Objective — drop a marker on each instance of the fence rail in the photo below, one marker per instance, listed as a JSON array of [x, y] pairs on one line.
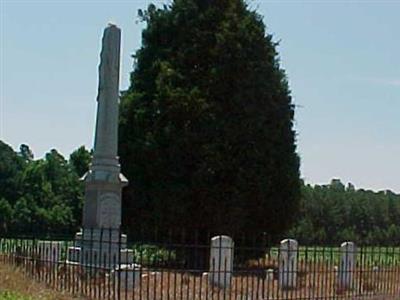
[[102, 264]]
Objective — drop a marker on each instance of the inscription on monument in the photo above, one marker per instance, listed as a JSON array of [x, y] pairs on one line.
[[109, 210]]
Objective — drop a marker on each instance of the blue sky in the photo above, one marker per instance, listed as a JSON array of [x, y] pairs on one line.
[[342, 59]]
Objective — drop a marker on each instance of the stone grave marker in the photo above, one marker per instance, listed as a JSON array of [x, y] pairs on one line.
[[221, 261]]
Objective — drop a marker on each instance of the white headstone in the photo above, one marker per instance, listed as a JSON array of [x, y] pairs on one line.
[[269, 274], [126, 276], [221, 261], [288, 264], [49, 251], [347, 264]]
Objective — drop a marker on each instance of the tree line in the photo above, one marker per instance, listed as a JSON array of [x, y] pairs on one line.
[[42, 195], [46, 196], [334, 213]]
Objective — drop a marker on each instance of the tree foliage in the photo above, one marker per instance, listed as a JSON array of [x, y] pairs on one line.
[[47, 196], [334, 213], [206, 127], [43, 195], [80, 160], [11, 166]]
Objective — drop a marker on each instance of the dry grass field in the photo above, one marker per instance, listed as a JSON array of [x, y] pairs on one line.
[[169, 284], [15, 285], [315, 281]]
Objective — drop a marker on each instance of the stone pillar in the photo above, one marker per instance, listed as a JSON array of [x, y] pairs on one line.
[[288, 264], [103, 181], [100, 243], [106, 136], [221, 261], [347, 265]]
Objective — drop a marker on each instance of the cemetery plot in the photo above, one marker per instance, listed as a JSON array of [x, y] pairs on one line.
[[219, 270]]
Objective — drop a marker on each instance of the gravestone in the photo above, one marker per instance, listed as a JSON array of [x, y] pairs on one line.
[[221, 261], [100, 243], [288, 264], [126, 276], [347, 265], [49, 251]]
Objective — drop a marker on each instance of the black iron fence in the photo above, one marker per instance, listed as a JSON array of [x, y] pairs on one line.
[[104, 264]]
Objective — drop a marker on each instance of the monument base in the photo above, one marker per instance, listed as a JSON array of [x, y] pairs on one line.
[[126, 276], [100, 248]]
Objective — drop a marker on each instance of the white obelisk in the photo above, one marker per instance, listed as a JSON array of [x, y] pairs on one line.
[[104, 182], [100, 242]]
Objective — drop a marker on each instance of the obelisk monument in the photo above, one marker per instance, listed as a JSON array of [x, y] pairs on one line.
[[103, 182], [101, 235]]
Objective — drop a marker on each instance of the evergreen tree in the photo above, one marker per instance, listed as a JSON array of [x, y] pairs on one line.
[[206, 127]]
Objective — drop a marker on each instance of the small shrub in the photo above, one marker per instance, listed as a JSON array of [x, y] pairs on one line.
[[153, 255]]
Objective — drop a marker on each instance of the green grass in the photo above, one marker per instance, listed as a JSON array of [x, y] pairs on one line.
[[6, 295], [368, 256]]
